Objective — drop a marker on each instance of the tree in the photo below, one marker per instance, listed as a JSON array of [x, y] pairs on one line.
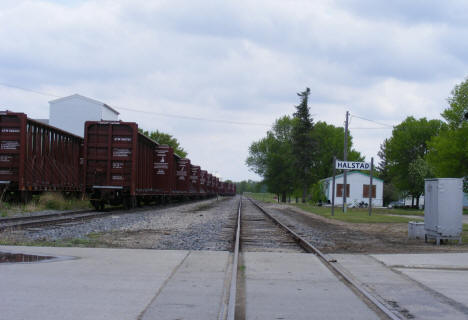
[[303, 146], [271, 157], [390, 192], [165, 138], [330, 142], [409, 141], [448, 152], [418, 170], [458, 101]]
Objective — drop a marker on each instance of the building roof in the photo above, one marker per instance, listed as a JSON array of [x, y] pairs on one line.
[[350, 173], [85, 98]]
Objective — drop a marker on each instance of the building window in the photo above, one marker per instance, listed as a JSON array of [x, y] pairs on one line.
[[339, 190], [365, 191]]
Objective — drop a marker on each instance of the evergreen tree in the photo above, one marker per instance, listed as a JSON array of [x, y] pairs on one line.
[[303, 145]]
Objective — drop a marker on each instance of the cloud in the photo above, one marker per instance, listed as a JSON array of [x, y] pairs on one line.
[[236, 60]]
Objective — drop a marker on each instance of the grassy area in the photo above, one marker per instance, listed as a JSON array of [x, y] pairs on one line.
[[465, 233], [46, 201], [354, 215], [91, 241]]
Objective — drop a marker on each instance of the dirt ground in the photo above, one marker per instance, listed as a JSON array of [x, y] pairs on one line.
[[334, 236]]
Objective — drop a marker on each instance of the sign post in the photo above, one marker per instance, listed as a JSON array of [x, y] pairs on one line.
[[333, 186], [370, 187], [352, 165]]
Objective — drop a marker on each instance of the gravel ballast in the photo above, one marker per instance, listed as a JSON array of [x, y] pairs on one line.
[[200, 225]]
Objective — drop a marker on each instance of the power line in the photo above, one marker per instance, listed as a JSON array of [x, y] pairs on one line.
[[196, 118], [29, 90], [150, 112], [379, 123], [369, 128]]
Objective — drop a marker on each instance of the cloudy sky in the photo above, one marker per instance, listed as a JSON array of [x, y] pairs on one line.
[[216, 74]]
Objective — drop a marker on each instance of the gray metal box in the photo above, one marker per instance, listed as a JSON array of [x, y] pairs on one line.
[[443, 208]]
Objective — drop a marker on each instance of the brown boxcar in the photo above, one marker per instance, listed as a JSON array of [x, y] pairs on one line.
[[164, 177], [36, 157], [209, 182], [182, 177], [120, 164], [195, 180], [203, 188]]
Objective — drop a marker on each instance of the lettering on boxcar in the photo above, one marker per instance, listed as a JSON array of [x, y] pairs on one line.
[[10, 130], [117, 165], [9, 145], [119, 152], [123, 139]]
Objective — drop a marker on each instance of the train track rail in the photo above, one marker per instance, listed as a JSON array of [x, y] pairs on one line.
[[50, 219], [287, 240], [68, 217]]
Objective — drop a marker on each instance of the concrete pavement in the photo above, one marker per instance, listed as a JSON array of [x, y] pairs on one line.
[[421, 286], [89, 283]]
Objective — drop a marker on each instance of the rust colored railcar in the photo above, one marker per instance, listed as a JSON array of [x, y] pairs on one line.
[[223, 188], [123, 166], [195, 180], [164, 175], [203, 188], [216, 185], [183, 177], [209, 184], [36, 157]]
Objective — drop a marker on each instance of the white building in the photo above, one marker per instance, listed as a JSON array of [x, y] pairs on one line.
[[70, 113], [358, 189]]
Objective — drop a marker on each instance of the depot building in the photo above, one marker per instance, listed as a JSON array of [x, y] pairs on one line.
[[357, 189]]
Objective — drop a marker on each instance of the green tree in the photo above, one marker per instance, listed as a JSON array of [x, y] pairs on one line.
[[271, 158], [390, 192], [303, 146], [448, 152], [165, 138], [418, 170], [409, 141], [330, 142], [458, 101]]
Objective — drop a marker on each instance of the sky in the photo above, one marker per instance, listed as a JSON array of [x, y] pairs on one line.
[[216, 74]]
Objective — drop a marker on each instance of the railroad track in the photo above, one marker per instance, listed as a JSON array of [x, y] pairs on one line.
[[256, 229], [67, 217], [50, 219]]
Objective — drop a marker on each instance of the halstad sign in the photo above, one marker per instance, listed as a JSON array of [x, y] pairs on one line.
[[352, 165]]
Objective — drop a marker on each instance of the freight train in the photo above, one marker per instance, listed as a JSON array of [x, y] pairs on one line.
[[114, 164]]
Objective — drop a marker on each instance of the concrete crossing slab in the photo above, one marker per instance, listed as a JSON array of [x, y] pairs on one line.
[[109, 283], [297, 286], [410, 292]]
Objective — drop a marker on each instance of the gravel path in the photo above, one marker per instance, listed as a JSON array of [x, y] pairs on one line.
[[202, 225]]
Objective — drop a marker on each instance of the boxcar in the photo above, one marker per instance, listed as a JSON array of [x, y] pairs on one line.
[[203, 189], [195, 180], [123, 166], [164, 174], [36, 157]]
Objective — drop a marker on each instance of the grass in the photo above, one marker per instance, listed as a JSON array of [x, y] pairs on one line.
[[354, 215], [46, 201], [465, 211], [465, 233], [91, 241]]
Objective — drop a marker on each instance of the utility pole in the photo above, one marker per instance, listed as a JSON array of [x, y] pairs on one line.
[[345, 158]]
